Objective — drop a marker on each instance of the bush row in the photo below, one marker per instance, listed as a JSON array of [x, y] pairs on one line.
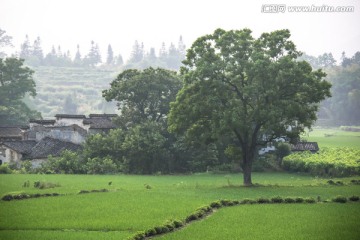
[[21, 196], [206, 210], [93, 191]]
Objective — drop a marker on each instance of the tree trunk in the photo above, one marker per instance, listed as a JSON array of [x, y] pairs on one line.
[[247, 172], [248, 157]]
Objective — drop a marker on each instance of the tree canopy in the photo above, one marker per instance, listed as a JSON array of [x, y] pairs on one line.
[[15, 82], [252, 90], [143, 94]]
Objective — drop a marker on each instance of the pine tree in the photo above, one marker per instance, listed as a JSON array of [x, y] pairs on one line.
[[137, 53], [110, 56], [181, 48], [5, 41], [93, 58], [37, 50], [152, 55], [59, 52], [77, 59], [25, 48], [119, 60], [163, 52]]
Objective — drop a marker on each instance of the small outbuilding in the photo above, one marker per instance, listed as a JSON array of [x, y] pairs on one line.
[[305, 146]]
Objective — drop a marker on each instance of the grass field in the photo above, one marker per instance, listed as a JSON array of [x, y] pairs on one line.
[[130, 207], [332, 137], [300, 221], [138, 203]]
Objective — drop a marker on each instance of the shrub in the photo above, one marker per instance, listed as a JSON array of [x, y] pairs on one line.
[[45, 185], [150, 232], [226, 202], [354, 181], [289, 200], [83, 191], [101, 166], [7, 197], [216, 204], [339, 199], [331, 182], [310, 200], [178, 223], [4, 169], [277, 199], [160, 229], [247, 201], [354, 198], [299, 200], [138, 236], [263, 200]]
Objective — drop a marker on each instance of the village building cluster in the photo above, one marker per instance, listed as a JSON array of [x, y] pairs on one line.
[[42, 138]]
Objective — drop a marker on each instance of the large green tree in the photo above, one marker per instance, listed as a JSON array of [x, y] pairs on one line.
[[143, 95], [15, 82], [251, 90]]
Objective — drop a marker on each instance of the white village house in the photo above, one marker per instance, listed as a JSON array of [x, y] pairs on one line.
[[50, 137]]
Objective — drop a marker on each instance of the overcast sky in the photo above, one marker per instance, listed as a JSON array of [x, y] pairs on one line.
[[121, 22]]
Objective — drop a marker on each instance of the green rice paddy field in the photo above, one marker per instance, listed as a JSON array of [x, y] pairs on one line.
[[138, 203]]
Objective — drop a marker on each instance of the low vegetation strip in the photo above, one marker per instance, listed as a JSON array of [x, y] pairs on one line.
[[204, 211], [22, 196], [334, 162]]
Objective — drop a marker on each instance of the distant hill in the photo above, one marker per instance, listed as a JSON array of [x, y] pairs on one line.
[[71, 90]]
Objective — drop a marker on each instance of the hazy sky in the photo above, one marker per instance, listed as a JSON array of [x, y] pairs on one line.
[[121, 22]]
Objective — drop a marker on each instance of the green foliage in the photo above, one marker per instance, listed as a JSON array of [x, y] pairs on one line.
[[16, 81], [327, 162], [263, 200], [339, 199], [69, 162], [277, 199], [143, 95], [354, 198], [145, 150], [291, 200], [5, 169], [45, 185], [310, 200], [342, 108], [282, 150], [101, 166], [245, 89]]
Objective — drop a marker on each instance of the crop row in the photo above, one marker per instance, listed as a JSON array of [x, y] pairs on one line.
[[334, 162]]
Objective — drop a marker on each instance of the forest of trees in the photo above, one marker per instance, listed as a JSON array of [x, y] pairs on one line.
[[140, 58], [343, 107]]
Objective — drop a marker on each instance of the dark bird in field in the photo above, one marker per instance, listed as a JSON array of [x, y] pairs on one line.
[[110, 183]]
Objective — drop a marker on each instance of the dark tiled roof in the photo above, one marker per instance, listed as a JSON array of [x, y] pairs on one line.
[[10, 132], [99, 123], [23, 147], [305, 146], [102, 115], [43, 121], [69, 116], [50, 146]]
